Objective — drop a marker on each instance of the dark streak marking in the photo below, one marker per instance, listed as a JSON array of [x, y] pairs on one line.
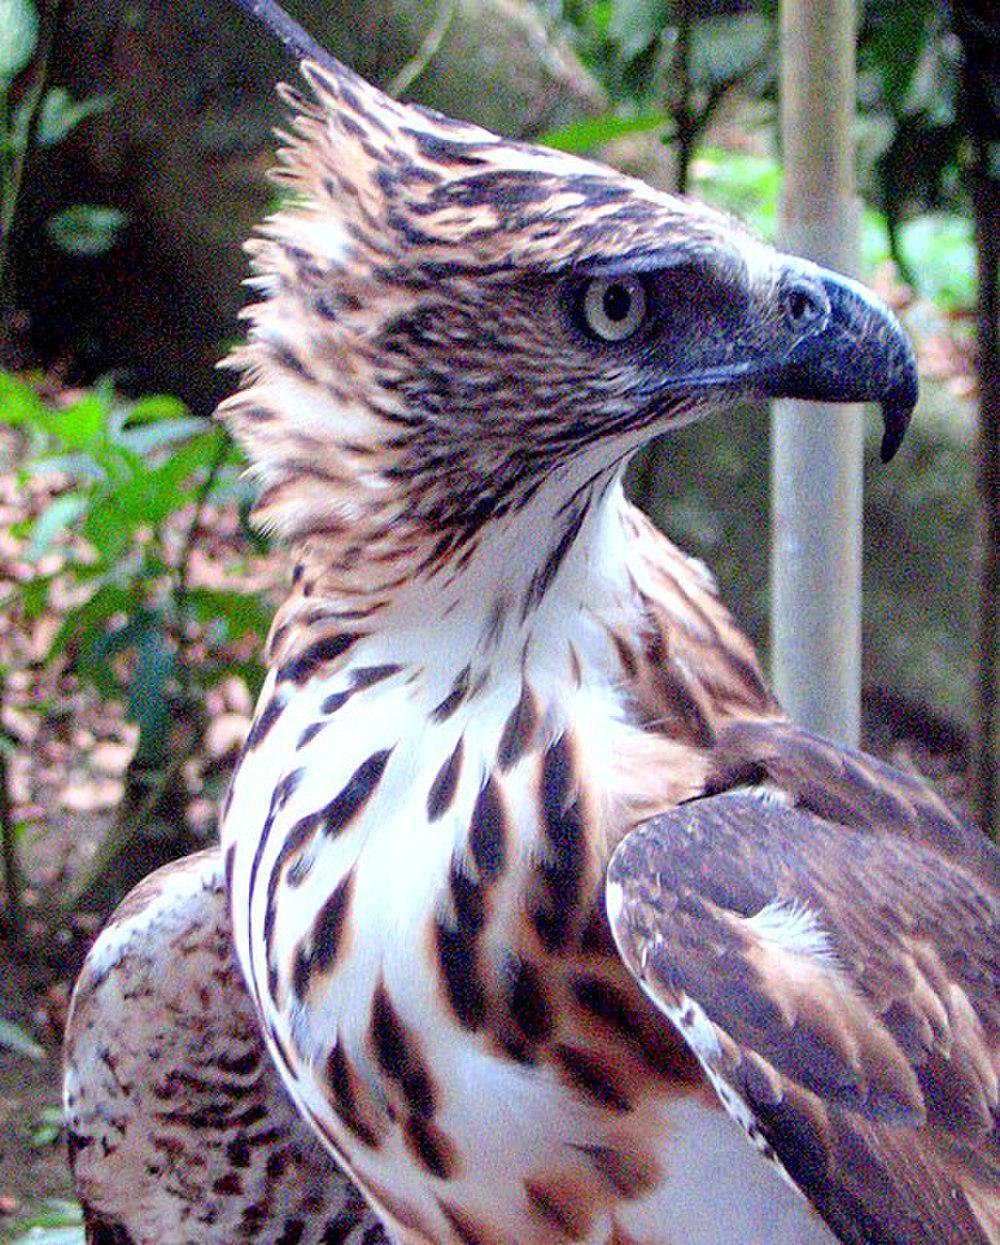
[[459, 690], [398, 1055], [357, 792], [263, 723], [551, 1208], [488, 832], [519, 730], [325, 937], [341, 1079], [431, 1146], [457, 957], [456, 947], [586, 1074], [541, 581], [230, 862], [363, 677], [464, 1226], [626, 658], [300, 669], [279, 796], [561, 874], [444, 786], [470, 906], [336, 700], [526, 998], [629, 1175], [327, 821], [495, 623], [367, 676], [309, 734], [603, 1000]]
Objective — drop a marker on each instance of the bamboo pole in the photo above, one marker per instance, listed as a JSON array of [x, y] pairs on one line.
[[816, 449]]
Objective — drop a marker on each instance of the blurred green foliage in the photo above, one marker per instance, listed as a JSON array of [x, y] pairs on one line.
[[54, 1222], [32, 119], [910, 136], [938, 247], [138, 476]]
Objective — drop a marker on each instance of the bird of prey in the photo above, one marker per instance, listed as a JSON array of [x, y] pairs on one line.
[[554, 927]]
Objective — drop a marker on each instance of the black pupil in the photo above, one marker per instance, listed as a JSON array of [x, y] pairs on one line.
[[617, 302], [798, 305]]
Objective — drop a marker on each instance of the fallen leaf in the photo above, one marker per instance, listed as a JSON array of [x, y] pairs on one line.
[[111, 757], [226, 734], [93, 796]]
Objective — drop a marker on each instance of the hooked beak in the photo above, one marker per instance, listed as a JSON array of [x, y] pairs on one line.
[[853, 350]]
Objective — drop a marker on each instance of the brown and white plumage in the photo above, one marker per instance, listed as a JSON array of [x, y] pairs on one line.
[[491, 670], [828, 942], [179, 1129]]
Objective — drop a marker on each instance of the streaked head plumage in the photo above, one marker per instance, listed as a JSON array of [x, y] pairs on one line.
[[449, 319]]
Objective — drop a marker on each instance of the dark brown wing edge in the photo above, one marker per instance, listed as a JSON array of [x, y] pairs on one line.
[[858, 1018]]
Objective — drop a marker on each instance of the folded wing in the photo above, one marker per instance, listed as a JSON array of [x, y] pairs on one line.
[[827, 940]]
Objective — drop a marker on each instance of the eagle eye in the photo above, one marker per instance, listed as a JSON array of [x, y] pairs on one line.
[[614, 307]]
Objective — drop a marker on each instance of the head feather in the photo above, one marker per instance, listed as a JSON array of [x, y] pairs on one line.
[[407, 374]]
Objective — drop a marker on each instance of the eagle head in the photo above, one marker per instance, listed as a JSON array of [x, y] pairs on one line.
[[450, 323]]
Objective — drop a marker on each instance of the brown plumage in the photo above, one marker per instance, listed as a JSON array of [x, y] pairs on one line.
[[491, 670], [858, 1019], [179, 1130]]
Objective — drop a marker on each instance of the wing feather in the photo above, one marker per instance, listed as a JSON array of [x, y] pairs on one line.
[[179, 1126], [837, 976]]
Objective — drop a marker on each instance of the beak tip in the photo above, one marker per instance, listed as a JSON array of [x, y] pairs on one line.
[[891, 441], [898, 405]]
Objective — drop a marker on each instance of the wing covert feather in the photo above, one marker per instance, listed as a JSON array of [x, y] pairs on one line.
[[841, 982]]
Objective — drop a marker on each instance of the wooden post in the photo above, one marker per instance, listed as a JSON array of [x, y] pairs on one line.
[[817, 449]]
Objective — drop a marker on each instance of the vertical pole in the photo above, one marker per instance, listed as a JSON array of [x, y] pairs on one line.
[[817, 448]]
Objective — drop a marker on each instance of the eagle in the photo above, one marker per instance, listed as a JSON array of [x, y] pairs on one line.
[[534, 919]]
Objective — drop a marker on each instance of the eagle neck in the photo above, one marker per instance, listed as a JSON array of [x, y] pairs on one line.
[[538, 593]]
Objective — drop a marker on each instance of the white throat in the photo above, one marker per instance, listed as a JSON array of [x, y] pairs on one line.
[[542, 584]]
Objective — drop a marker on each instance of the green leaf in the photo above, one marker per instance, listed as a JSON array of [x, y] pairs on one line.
[[636, 24], [77, 426], [14, 1038], [19, 403], [85, 229], [55, 1222], [726, 48], [80, 623], [896, 46], [156, 406], [34, 595], [107, 529], [584, 136], [60, 514], [746, 185], [243, 613], [61, 114], [48, 1128], [941, 251], [18, 37], [148, 438]]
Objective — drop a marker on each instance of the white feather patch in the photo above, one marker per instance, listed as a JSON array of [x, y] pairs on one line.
[[793, 927]]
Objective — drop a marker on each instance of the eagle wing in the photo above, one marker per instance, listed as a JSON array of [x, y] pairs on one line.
[[179, 1127], [827, 942]]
